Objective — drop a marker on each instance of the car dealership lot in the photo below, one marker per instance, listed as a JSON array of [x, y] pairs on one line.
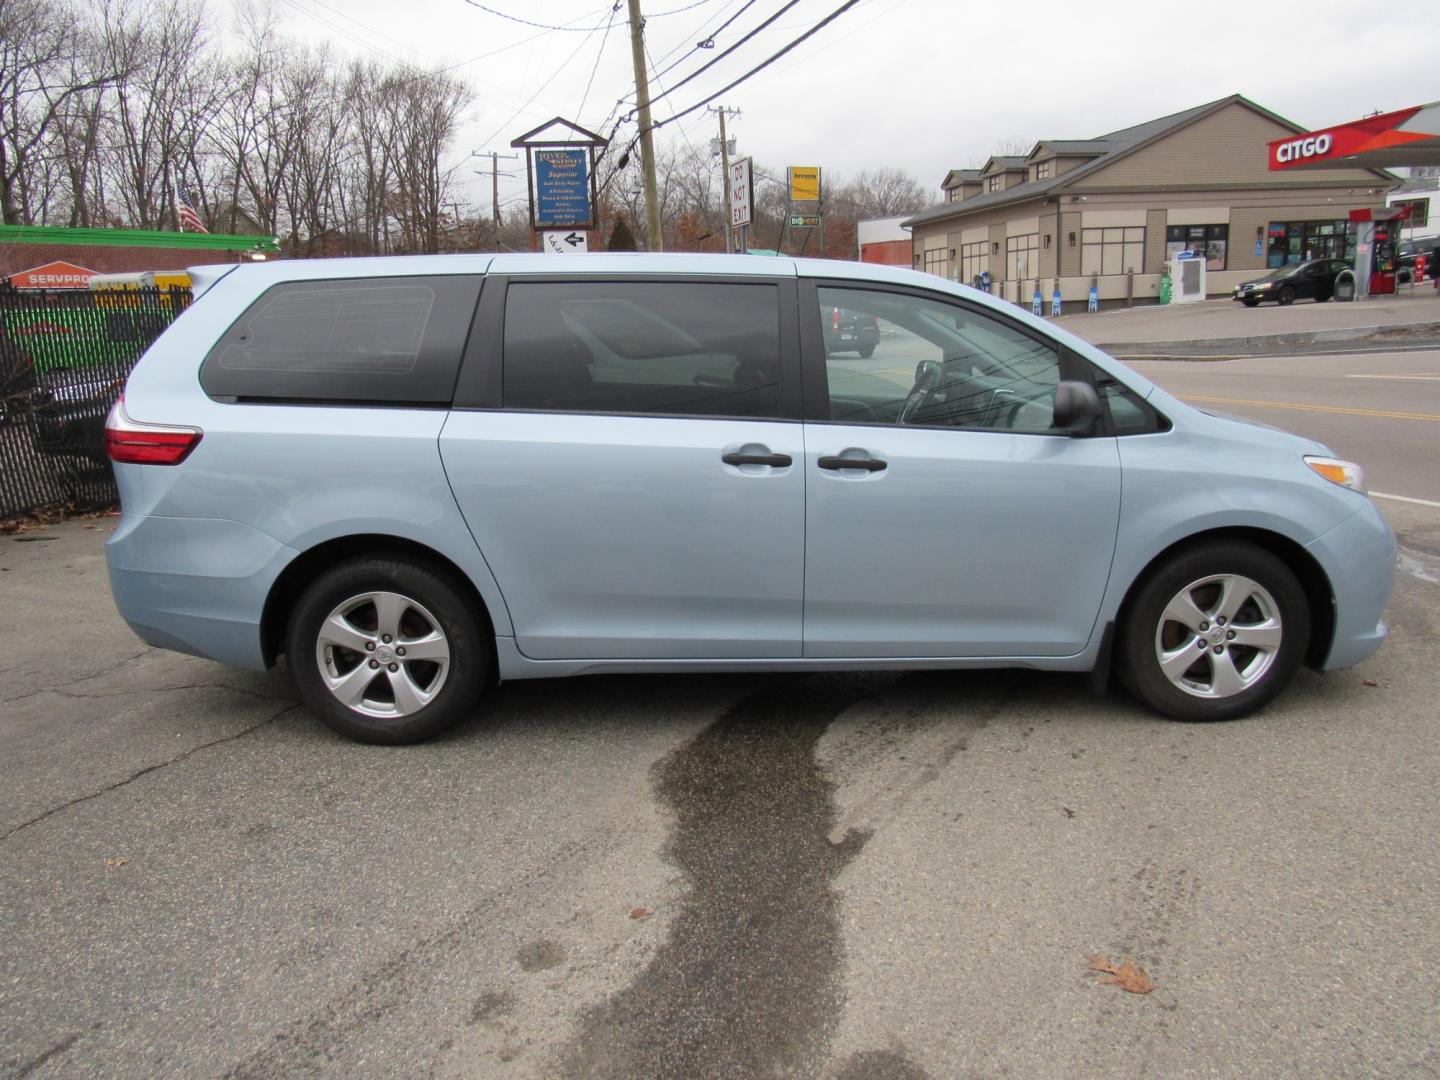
[[849, 875]]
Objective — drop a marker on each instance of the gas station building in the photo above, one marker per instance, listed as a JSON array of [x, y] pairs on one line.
[[1113, 210], [1406, 137]]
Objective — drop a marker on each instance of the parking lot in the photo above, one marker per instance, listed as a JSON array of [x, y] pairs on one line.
[[880, 875]]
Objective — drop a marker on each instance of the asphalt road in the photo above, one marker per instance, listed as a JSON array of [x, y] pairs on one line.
[[1381, 409], [889, 876]]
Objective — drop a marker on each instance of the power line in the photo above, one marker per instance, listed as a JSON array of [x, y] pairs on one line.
[[730, 86], [707, 42], [576, 29], [541, 88], [715, 60], [591, 81], [763, 64]]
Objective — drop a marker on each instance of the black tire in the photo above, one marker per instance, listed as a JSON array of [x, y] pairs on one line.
[[433, 600], [866, 352], [1250, 303], [1285, 296], [1145, 630]]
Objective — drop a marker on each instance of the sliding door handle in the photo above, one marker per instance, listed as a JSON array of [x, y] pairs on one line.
[[868, 464]]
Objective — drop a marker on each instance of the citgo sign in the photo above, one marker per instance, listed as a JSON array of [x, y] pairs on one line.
[[1309, 147]]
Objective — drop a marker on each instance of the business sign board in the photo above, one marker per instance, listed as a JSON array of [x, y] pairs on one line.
[[804, 183], [562, 189], [53, 275], [574, 242], [804, 221], [742, 193]]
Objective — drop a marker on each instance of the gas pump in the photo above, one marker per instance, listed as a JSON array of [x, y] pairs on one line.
[[1377, 242], [1385, 259]]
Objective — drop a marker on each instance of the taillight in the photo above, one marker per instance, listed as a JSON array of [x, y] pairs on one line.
[[146, 444], [834, 318]]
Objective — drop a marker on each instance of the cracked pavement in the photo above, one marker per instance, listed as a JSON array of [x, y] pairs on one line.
[[850, 876]]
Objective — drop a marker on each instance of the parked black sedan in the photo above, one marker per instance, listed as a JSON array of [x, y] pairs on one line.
[[1313, 280]]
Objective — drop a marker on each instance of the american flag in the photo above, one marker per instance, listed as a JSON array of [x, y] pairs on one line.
[[185, 211]]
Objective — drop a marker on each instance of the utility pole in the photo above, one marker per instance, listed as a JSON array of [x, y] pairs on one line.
[[653, 240], [725, 165], [495, 187]]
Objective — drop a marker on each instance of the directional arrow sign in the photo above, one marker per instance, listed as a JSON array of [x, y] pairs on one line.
[[565, 243]]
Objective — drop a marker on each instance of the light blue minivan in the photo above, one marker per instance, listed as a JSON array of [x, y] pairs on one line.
[[416, 476]]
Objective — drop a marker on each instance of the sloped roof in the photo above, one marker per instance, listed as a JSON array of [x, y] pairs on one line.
[[1004, 163], [960, 176], [1115, 145], [1072, 146]]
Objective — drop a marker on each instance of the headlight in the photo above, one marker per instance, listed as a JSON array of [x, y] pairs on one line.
[[1263, 285], [1345, 473]]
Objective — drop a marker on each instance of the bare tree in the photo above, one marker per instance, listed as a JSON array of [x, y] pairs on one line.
[[44, 63]]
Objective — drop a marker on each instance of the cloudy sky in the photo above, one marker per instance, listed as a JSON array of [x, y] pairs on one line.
[[921, 85]]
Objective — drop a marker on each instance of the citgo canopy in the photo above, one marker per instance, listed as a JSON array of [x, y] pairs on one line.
[[1405, 137]]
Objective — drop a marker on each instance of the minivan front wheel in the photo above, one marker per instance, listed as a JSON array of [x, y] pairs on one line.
[[1215, 633], [387, 650]]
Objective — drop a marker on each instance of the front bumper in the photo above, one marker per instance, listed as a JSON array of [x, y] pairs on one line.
[[1358, 556], [195, 585]]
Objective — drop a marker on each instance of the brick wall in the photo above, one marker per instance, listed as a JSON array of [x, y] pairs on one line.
[[108, 260]]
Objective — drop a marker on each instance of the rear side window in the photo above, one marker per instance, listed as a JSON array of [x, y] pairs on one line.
[[677, 349], [368, 341]]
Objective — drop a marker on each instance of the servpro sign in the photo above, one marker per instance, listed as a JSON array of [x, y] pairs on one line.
[[53, 275]]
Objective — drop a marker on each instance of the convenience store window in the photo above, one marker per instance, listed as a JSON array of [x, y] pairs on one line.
[[1291, 242], [1210, 241]]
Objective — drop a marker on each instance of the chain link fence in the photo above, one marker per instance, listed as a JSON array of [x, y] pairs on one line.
[[64, 358]]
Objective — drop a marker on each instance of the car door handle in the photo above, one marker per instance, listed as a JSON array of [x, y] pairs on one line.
[[868, 464], [779, 461]]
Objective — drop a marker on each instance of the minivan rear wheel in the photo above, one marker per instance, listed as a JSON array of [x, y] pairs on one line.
[[1214, 633], [388, 650]]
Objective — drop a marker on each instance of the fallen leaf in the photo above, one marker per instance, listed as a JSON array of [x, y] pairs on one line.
[[1127, 976], [115, 863], [89, 526], [639, 913], [1368, 682]]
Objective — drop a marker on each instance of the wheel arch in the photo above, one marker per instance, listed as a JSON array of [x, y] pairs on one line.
[[287, 587], [1318, 591]]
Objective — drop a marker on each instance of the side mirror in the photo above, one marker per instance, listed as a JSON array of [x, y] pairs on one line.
[[1077, 407]]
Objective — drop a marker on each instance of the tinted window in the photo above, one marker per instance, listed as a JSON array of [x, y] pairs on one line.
[[375, 340], [937, 365], [689, 349]]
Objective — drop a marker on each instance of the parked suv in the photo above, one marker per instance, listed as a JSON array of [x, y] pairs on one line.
[[416, 476]]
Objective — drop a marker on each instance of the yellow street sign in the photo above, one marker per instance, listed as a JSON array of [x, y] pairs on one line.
[[804, 183]]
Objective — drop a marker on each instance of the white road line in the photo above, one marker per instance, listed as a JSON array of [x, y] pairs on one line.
[[1404, 499], [1411, 378]]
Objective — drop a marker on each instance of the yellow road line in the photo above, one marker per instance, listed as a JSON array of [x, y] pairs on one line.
[[1342, 409]]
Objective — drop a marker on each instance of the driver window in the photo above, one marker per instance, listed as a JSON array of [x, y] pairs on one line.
[[892, 358]]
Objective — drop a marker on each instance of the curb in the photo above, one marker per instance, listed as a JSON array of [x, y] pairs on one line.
[[1398, 334]]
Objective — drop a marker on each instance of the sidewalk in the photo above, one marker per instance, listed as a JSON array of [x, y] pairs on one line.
[[1220, 324]]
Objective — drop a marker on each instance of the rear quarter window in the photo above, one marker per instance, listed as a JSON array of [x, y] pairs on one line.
[[365, 341]]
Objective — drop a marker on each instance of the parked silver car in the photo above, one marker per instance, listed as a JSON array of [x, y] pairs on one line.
[[416, 476]]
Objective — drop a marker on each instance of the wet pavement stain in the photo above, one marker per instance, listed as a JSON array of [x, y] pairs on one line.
[[749, 981]]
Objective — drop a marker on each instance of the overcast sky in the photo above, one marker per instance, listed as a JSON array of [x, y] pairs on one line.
[[920, 85]]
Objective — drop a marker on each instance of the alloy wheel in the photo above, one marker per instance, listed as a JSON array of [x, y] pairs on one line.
[[1218, 636], [382, 654]]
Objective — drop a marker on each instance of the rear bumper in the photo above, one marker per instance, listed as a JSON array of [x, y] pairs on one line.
[[195, 585], [1359, 558]]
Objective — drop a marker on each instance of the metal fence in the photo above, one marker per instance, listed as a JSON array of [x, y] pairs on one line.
[[64, 358]]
